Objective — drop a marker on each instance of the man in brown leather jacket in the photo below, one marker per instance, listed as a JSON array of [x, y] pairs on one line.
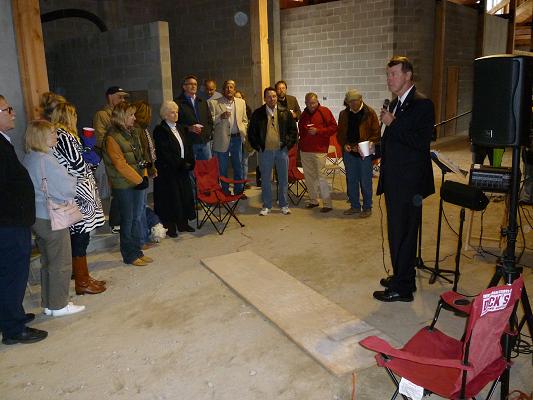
[[357, 123]]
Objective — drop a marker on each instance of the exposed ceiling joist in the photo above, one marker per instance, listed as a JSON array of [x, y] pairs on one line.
[[524, 12]]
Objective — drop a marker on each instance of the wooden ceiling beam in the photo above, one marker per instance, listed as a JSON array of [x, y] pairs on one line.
[[524, 12]]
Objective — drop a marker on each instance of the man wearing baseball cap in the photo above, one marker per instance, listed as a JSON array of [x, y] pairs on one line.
[[101, 122], [102, 118]]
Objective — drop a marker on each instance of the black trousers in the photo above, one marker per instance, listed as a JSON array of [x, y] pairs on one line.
[[15, 250], [79, 243], [403, 220]]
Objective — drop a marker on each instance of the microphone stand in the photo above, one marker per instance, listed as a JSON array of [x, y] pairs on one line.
[[436, 272]]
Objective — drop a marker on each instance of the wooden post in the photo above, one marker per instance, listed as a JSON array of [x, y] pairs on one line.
[[480, 34], [438, 59], [260, 50], [30, 47], [511, 27]]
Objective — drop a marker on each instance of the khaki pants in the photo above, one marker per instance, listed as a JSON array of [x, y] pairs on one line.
[[315, 179], [56, 263]]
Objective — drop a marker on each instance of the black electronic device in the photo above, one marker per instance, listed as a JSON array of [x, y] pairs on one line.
[[463, 195], [491, 179], [501, 107]]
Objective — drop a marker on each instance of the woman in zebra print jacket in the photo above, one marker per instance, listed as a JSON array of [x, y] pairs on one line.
[[68, 152]]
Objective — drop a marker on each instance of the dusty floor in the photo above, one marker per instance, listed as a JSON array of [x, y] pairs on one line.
[[174, 331]]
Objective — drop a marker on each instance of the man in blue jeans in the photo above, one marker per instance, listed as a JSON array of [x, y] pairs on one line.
[[231, 123], [272, 132]]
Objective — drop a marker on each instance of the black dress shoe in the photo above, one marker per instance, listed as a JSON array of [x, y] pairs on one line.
[[28, 335], [172, 234], [385, 282], [389, 296], [29, 317], [186, 228]]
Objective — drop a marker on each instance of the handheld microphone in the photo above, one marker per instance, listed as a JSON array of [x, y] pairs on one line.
[[386, 103]]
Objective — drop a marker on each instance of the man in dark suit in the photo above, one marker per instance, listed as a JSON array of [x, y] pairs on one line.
[[272, 132], [406, 176], [195, 118], [17, 215]]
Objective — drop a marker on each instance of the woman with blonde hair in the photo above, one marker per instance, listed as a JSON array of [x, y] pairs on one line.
[[54, 246], [68, 152], [126, 169]]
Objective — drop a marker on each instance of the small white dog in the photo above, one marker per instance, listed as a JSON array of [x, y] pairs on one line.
[[158, 232]]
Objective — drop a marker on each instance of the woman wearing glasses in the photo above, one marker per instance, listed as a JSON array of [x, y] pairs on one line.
[[126, 169]]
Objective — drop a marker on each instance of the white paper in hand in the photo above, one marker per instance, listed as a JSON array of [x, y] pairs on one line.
[[411, 390]]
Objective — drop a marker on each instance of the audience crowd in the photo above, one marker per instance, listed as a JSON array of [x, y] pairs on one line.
[[123, 158]]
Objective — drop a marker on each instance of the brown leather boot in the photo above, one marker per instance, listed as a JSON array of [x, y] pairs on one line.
[[91, 279], [82, 278]]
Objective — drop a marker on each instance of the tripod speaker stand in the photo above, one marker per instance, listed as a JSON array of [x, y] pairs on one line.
[[508, 270]]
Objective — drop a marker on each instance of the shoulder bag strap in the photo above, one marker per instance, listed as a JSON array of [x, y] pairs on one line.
[[44, 185]]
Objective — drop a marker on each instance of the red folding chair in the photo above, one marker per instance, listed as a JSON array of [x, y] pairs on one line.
[[297, 187], [450, 368], [218, 207]]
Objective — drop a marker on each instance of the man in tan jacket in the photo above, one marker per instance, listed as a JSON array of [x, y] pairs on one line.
[[231, 123], [102, 118], [101, 123]]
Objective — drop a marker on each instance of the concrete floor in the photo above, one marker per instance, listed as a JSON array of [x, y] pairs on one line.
[[174, 331]]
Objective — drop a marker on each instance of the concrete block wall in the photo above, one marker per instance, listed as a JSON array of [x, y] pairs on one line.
[[414, 36], [460, 50], [10, 83], [136, 58], [206, 42], [115, 14], [332, 47]]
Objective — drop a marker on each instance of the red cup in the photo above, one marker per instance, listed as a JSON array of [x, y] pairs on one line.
[[88, 132]]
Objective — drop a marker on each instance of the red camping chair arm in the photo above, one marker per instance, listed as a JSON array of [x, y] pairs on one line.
[[379, 345], [228, 180]]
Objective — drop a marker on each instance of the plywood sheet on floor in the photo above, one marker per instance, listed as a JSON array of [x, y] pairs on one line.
[[323, 329]]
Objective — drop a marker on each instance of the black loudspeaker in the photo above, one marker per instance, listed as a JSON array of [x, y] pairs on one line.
[[463, 195], [501, 109]]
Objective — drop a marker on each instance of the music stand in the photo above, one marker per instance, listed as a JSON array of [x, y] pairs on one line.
[[445, 166]]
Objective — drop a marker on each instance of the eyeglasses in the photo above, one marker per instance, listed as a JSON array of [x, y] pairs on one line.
[[8, 109]]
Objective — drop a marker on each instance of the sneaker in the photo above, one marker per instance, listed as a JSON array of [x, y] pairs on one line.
[[69, 309], [264, 211], [325, 209], [311, 205], [365, 213], [351, 211], [285, 210], [115, 229]]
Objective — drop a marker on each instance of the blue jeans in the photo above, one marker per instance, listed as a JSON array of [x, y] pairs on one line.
[[202, 151], [235, 150], [245, 156], [358, 176], [267, 160], [145, 232], [131, 204]]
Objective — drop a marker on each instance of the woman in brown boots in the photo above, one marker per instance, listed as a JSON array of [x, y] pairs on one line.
[[68, 152]]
